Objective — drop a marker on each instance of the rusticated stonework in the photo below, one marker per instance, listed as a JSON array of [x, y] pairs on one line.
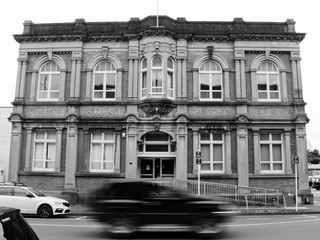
[[45, 112], [103, 111], [214, 112], [270, 112]]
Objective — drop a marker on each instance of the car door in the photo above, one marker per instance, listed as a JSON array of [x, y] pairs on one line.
[[6, 196], [24, 200]]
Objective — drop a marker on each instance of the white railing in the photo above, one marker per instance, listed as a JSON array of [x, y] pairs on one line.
[[248, 196]]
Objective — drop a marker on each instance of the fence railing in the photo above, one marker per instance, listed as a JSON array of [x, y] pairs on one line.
[[246, 196]]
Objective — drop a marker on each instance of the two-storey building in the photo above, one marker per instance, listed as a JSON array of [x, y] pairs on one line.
[[138, 99]]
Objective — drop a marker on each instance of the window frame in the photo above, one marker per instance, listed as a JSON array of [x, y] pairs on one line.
[[45, 141], [270, 143], [102, 161], [267, 74], [105, 73], [50, 75], [211, 142], [210, 73]]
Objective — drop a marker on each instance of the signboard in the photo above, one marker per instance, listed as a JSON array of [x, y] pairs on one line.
[[198, 160], [296, 160]]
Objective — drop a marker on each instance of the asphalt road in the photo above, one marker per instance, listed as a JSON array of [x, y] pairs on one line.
[[268, 227]]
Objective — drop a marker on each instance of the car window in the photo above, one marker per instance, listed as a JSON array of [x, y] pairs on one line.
[[6, 191], [20, 192], [36, 192]]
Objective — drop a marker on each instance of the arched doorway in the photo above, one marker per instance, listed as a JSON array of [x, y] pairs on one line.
[[156, 155]]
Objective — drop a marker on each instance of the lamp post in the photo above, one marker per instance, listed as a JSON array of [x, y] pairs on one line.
[[296, 162], [198, 161]]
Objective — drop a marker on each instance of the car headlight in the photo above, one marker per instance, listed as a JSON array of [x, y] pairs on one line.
[[57, 203]]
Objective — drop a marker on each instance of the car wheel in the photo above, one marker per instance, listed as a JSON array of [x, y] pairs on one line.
[[207, 227], [122, 226], [45, 211]]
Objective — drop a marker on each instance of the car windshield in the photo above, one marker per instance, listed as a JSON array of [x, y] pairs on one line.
[[37, 192]]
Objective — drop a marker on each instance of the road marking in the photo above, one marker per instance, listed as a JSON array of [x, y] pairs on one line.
[[254, 219], [305, 216], [65, 225], [272, 223], [80, 218]]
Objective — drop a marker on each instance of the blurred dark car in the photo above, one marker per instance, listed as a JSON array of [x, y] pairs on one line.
[[14, 226], [134, 206]]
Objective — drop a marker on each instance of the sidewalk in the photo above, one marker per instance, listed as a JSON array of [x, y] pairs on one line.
[[84, 209]]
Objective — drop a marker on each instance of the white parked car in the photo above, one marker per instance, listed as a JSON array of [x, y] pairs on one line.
[[32, 201]]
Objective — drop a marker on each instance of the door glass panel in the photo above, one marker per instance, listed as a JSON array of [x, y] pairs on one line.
[[146, 168], [167, 168]]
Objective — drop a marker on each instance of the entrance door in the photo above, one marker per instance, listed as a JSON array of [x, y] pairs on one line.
[[157, 168]]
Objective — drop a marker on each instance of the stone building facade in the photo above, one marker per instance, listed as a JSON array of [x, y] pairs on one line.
[[137, 99]]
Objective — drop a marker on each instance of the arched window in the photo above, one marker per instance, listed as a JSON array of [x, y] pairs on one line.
[[210, 80], [144, 78], [156, 76], [268, 86], [104, 81], [170, 78], [49, 82]]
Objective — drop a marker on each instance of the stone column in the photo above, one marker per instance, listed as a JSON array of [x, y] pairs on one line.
[[181, 154], [196, 146], [135, 79], [256, 149], [21, 76], [58, 150], [71, 155], [195, 73], [130, 80], [301, 149], [228, 169], [117, 150], [296, 75], [239, 57], [287, 150], [242, 155], [89, 87], [179, 80], [15, 150], [131, 170], [184, 79], [28, 160]]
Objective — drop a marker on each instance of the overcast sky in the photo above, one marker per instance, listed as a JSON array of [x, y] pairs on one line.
[[14, 12]]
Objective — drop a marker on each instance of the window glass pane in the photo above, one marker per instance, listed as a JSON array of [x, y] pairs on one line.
[[205, 66], [51, 151], [38, 164], [110, 66], [38, 152], [50, 164], [216, 82], [95, 165], [204, 95], [276, 149], [273, 83], [108, 152], [157, 78], [217, 153], [264, 137], [96, 151], [265, 167], [109, 136], [157, 62], [274, 95], [170, 63], [205, 152], [156, 148], [262, 95], [96, 136], [217, 137], [204, 82], [277, 166], [55, 81], [54, 95], [44, 82], [98, 94], [144, 80], [170, 80], [205, 136], [205, 167], [108, 165], [157, 137], [265, 153], [40, 135], [98, 82], [217, 167], [262, 82], [215, 66], [144, 63], [51, 136], [111, 81], [216, 95], [276, 137]]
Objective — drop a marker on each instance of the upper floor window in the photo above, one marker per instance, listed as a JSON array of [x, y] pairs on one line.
[[210, 80], [49, 82], [102, 154], [44, 155], [268, 82], [159, 142], [104, 81], [271, 149], [212, 153], [158, 78]]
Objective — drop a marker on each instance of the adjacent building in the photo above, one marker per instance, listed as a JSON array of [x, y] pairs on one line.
[[5, 134], [96, 101]]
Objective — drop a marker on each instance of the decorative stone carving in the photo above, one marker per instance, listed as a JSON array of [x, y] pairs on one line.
[[270, 112], [157, 108], [102, 111], [45, 112], [212, 112]]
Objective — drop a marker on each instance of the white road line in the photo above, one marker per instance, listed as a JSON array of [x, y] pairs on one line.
[[80, 218], [272, 223]]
